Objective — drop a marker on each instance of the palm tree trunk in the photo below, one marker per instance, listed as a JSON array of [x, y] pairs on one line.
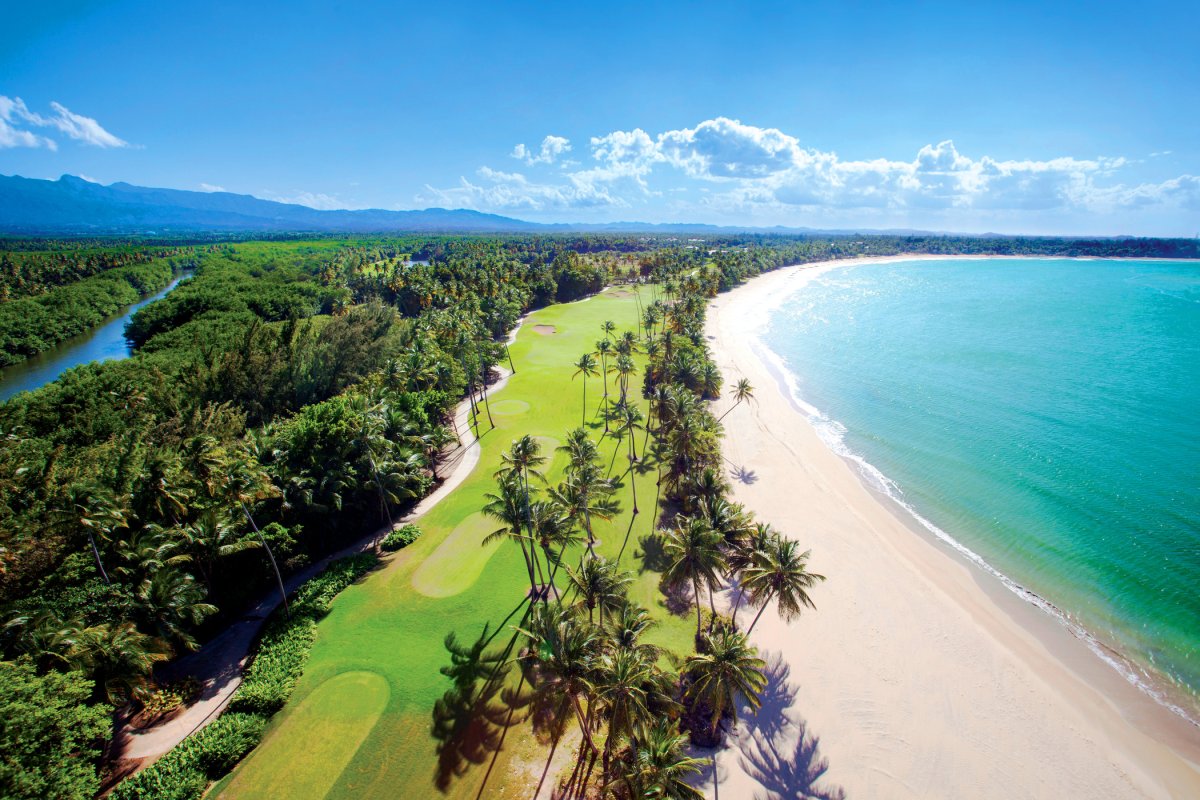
[[514, 372], [287, 612], [583, 723], [96, 553], [731, 408], [766, 600], [696, 592], [738, 604], [487, 406], [712, 607], [584, 416]]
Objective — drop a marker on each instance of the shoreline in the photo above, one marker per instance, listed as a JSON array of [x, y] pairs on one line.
[[955, 666]]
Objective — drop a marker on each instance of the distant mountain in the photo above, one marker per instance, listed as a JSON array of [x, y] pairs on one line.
[[72, 204]]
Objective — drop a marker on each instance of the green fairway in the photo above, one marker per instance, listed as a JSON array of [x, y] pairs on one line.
[[331, 740]]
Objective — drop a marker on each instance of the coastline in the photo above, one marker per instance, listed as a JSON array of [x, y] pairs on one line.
[[920, 674]]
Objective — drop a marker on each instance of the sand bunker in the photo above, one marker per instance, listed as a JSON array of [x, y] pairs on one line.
[[545, 330]]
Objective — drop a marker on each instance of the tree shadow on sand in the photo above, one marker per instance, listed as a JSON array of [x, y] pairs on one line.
[[775, 747], [472, 718]]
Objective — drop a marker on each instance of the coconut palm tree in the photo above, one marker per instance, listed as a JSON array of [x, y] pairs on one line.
[[507, 506], [563, 651], [551, 528], [585, 366], [212, 536], [659, 767], [600, 585], [98, 512], [603, 349], [743, 391], [626, 627], [695, 553], [242, 482], [174, 602], [624, 367], [522, 460], [584, 495], [630, 423], [624, 683], [780, 572], [725, 666]]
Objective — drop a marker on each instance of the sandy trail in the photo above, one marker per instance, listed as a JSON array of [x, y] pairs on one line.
[[918, 675]]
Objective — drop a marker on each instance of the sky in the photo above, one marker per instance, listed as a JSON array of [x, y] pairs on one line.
[[1040, 118]]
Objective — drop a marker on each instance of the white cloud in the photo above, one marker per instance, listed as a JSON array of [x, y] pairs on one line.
[[512, 191], [14, 112], [552, 148], [317, 200], [752, 169], [208, 187]]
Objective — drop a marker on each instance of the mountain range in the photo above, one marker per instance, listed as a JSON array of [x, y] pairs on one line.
[[74, 205]]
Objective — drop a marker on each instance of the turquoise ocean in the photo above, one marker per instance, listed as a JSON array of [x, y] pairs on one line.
[[1042, 417]]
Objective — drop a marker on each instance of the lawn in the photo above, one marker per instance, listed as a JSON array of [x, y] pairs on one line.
[[361, 723]]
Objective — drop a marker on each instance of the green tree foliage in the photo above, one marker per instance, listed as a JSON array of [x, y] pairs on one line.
[[49, 735]]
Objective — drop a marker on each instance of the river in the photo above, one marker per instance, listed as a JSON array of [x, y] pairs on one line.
[[103, 342]]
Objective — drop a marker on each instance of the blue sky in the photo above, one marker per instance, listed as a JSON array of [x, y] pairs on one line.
[[1020, 117]]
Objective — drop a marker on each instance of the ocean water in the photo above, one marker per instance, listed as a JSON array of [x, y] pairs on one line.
[[1042, 417]]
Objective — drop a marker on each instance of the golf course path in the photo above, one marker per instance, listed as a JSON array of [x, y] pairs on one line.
[[219, 664]]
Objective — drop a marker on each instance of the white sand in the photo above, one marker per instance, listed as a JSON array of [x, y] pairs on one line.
[[918, 675]]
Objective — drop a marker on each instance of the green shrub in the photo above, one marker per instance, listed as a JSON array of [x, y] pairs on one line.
[[400, 538], [184, 772], [272, 675]]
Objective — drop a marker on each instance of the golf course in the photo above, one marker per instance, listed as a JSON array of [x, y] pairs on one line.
[[362, 722]]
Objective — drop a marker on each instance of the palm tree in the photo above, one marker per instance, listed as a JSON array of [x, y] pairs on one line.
[[624, 681], [603, 348], [585, 494], [659, 766], [174, 602], [94, 509], [243, 481], [551, 527], [585, 366], [211, 537], [521, 461], [600, 586], [119, 657], [780, 572], [507, 506], [626, 627], [743, 391], [563, 650], [695, 553], [631, 422], [725, 666]]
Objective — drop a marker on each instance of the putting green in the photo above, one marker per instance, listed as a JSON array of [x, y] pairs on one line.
[[395, 622], [459, 559], [509, 407], [335, 720]]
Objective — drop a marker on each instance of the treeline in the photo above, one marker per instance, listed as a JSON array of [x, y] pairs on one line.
[[283, 402], [31, 325]]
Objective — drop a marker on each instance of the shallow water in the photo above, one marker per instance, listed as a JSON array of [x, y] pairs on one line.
[[1039, 413]]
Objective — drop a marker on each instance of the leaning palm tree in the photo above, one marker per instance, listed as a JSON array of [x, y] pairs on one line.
[[625, 682], [507, 506], [726, 666], [522, 460], [604, 349], [780, 572], [659, 766], [244, 482], [552, 529], [744, 553], [695, 553], [600, 585], [584, 495], [563, 650], [585, 366], [743, 391]]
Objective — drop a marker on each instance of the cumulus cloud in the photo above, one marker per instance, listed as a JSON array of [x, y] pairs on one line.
[[750, 168], [552, 148], [15, 119], [512, 191]]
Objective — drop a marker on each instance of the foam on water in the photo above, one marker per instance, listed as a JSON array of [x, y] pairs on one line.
[[833, 434]]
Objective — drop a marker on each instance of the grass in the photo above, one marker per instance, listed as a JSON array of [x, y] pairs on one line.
[[383, 642]]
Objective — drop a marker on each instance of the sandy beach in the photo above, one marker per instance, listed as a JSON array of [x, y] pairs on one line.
[[920, 675]]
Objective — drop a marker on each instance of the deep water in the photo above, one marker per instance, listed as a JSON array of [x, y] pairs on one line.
[[1043, 413]]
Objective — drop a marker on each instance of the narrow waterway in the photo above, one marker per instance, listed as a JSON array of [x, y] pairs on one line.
[[105, 341]]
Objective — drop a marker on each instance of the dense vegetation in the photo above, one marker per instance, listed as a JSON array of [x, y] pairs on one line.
[[290, 396]]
